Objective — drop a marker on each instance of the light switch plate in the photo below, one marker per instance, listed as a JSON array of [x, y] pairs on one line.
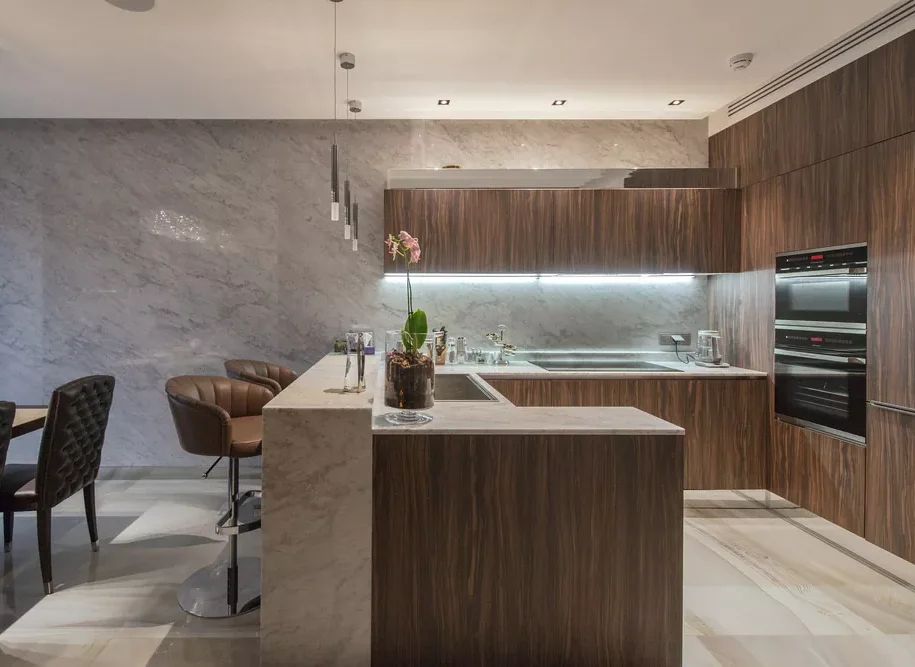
[[665, 339]]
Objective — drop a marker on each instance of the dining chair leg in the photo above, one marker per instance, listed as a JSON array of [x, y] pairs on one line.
[[44, 548], [89, 500], [8, 531]]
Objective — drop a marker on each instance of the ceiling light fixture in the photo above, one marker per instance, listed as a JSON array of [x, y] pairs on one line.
[[675, 103], [444, 103], [559, 103]]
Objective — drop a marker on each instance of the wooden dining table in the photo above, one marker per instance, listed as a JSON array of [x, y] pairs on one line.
[[29, 418]]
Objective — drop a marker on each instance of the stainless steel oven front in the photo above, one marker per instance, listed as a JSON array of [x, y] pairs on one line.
[[821, 380], [822, 288]]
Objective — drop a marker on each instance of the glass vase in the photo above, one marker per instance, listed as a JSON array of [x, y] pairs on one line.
[[409, 380]]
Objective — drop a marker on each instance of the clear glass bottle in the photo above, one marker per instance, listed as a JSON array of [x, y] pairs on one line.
[[451, 354]]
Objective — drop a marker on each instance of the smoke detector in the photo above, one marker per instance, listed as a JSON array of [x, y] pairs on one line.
[[741, 61]]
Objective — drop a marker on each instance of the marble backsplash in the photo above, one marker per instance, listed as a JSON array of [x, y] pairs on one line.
[[148, 249]]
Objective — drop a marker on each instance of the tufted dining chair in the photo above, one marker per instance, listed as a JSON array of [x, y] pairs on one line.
[[272, 376], [68, 462], [7, 413]]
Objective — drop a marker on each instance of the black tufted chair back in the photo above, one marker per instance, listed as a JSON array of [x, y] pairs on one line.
[[7, 412], [71, 446]]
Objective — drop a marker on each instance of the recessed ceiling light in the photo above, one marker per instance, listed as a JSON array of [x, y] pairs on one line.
[[559, 103], [444, 103], [675, 103]]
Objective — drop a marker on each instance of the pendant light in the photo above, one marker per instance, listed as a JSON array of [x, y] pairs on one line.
[[354, 107], [334, 172], [347, 62]]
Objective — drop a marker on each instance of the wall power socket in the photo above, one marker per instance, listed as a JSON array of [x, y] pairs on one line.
[[667, 339]]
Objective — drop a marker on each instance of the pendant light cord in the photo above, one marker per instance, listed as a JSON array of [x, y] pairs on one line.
[[335, 72], [348, 128]]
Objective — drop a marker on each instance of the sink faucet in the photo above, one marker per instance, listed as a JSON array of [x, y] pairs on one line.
[[505, 349]]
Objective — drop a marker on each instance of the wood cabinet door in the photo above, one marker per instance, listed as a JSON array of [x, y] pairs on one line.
[[821, 474], [822, 120], [890, 506], [748, 145], [825, 204], [891, 85], [891, 273], [474, 230], [646, 231]]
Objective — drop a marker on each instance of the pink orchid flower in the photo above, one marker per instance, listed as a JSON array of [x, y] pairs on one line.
[[414, 255]]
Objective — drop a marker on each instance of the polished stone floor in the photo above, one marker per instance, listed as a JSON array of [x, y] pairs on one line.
[[766, 585]]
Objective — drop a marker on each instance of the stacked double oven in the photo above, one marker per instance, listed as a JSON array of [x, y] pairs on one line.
[[821, 340]]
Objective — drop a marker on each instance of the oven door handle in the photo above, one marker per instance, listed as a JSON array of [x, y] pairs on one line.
[[802, 273], [859, 361]]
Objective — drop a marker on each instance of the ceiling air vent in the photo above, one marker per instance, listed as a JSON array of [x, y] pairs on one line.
[[872, 28]]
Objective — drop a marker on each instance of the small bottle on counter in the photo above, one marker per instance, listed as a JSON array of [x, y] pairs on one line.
[[461, 350], [451, 354]]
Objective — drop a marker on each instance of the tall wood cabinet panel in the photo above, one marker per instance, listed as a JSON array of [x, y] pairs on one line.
[[824, 119], [821, 474], [891, 273], [891, 86], [825, 204], [474, 230], [890, 505]]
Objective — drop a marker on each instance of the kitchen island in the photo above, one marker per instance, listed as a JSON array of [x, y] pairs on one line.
[[495, 534]]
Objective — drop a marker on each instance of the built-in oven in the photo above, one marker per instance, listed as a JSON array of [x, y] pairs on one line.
[[821, 380], [822, 288]]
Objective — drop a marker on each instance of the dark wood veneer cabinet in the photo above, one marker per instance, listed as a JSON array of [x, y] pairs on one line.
[[825, 204], [821, 474], [726, 421], [824, 119], [891, 273], [890, 506], [473, 231], [569, 231], [748, 145], [891, 85]]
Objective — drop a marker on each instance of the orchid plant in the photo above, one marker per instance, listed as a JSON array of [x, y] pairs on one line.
[[416, 327]]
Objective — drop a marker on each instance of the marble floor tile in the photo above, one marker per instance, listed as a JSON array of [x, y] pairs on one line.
[[764, 586]]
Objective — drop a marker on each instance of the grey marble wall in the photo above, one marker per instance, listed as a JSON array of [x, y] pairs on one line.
[[148, 249]]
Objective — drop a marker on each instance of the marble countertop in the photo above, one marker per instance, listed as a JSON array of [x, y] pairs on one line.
[[320, 389], [519, 370]]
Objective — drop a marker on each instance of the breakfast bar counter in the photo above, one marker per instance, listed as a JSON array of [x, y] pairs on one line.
[[494, 534]]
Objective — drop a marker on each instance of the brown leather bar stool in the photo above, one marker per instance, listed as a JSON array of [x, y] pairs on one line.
[[68, 461], [217, 416], [274, 376]]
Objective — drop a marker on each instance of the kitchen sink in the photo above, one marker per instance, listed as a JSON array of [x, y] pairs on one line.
[[460, 387], [607, 365]]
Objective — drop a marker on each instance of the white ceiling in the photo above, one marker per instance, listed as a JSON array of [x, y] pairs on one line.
[[493, 58]]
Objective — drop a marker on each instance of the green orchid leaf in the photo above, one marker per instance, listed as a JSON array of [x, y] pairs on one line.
[[415, 330]]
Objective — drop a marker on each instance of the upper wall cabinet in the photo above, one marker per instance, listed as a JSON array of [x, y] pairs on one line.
[[569, 231], [825, 204], [473, 231], [748, 145], [891, 100], [820, 121], [823, 120], [647, 231]]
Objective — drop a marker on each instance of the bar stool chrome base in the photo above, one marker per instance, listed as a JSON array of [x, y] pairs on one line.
[[203, 594]]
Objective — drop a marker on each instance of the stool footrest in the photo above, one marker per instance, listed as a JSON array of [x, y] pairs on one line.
[[242, 527]]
